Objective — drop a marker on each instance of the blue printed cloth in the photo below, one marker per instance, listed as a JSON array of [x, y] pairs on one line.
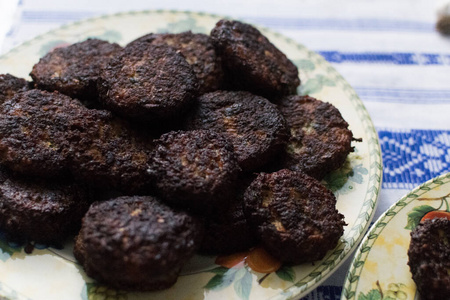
[[389, 51]]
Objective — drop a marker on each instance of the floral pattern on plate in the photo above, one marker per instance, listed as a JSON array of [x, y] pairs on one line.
[[379, 269]]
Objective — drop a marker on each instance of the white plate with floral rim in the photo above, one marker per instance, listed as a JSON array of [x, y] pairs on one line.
[[49, 273], [379, 269]]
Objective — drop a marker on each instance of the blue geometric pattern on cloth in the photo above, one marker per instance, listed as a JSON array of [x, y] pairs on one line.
[[325, 292], [396, 95], [396, 58], [414, 156]]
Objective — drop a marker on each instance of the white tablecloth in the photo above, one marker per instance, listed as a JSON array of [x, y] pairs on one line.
[[389, 51]]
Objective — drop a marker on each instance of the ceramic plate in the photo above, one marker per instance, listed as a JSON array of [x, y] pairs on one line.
[[380, 268], [48, 273]]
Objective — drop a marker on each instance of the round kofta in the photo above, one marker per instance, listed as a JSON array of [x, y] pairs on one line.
[[40, 211], [136, 243], [428, 258], [320, 139], [50, 134], [148, 83], [10, 85], [199, 53], [252, 123], [34, 130], [251, 62], [74, 70], [111, 154], [196, 169], [293, 215]]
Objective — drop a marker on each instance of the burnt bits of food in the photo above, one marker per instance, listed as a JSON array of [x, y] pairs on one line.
[[136, 243], [194, 169], [293, 215], [40, 211], [199, 53], [49, 134], [74, 70], [251, 62], [10, 85], [319, 141], [254, 125], [148, 83], [428, 255], [35, 132]]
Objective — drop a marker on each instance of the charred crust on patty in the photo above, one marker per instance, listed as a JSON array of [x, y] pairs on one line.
[[293, 215], [49, 134], [74, 70], [251, 62], [111, 154], [320, 140], [136, 243], [147, 83], [252, 123], [10, 85], [41, 211], [195, 169], [428, 261], [34, 131], [199, 52]]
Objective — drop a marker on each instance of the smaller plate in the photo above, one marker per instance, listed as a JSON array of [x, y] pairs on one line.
[[379, 269]]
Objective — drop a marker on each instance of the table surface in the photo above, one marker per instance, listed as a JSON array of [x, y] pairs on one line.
[[388, 51]]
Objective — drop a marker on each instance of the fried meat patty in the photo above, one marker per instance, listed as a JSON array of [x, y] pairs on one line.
[[136, 243], [10, 85], [293, 215], [74, 70], [320, 140], [40, 211], [194, 169], [252, 123], [147, 83], [110, 154], [49, 134], [429, 258], [251, 62], [35, 132], [199, 53]]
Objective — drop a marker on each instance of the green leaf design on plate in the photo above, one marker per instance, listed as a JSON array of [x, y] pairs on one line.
[[371, 295], [243, 283], [348, 294], [339, 181], [222, 279], [241, 278], [416, 214], [51, 45], [99, 292], [111, 36], [183, 25], [315, 85], [304, 65], [286, 273], [219, 270], [358, 173], [6, 251]]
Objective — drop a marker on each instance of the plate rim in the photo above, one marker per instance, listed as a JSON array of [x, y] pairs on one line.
[[369, 203], [353, 275]]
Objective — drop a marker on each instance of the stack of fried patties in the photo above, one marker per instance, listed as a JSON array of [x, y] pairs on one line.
[[201, 140]]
